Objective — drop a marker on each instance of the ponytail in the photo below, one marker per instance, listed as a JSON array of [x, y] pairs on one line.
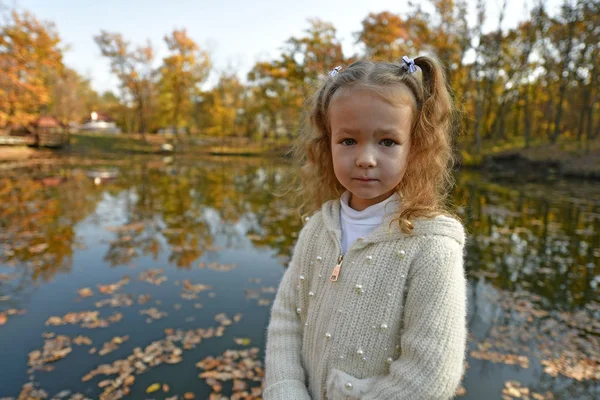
[[428, 176], [437, 104]]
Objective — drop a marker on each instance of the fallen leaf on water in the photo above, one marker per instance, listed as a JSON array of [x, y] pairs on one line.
[[104, 383], [189, 296], [129, 380], [234, 365], [144, 298], [195, 288], [55, 321], [153, 313], [117, 300], [153, 388], [112, 345], [264, 302], [242, 341], [223, 319], [165, 388], [87, 319], [495, 357], [217, 267], [239, 385], [53, 350], [112, 287], [166, 351], [3, 318], [28, 391], [14, 311], [152, 276], [82, 340], [85, 292], [189, 396]]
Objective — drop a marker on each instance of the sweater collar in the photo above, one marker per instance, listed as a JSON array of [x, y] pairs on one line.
[[372, 215], [440, 225]]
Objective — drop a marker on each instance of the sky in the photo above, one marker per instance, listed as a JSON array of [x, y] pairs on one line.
[[238, 33]]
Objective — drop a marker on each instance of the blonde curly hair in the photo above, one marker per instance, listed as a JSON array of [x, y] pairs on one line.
[[428, 177]]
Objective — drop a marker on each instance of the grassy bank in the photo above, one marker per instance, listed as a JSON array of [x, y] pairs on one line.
[[98, 145], [572, 158], [91, 145]]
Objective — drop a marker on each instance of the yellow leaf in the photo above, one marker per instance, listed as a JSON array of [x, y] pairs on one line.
[[153, 388], [242, 341]]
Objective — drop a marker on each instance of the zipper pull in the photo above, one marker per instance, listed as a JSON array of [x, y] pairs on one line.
[[336, 270]]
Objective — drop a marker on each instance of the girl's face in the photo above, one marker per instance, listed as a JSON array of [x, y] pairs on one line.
[[370, 141]]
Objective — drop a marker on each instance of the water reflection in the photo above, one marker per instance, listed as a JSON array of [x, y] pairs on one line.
[[533, 259], [539, 238]]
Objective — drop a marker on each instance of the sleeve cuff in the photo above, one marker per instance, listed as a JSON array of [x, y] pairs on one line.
[[287, 390]]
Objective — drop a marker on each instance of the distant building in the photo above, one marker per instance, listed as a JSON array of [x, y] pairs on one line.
[[47, 124], [100, 122]]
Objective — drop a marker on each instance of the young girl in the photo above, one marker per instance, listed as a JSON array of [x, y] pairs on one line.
[[373, 303]]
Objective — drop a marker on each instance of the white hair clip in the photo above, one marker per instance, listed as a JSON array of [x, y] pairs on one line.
[[409, 64], [335, 71]]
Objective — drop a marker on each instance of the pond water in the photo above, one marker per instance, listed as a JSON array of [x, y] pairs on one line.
[[115, 276]]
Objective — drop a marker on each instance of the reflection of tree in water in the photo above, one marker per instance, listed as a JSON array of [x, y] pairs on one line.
[[161, 200], [38, 212], [176, 201], [538, 238], [245, 191], [276, 221]]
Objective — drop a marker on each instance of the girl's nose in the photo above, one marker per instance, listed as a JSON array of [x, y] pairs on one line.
[[366, 158]]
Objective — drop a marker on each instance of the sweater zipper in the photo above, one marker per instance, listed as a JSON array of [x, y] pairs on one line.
[[336, 271]]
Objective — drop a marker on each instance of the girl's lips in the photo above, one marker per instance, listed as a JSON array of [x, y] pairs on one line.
[[366, 179]]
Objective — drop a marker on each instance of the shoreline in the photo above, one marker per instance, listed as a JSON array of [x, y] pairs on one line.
[[564, 160]]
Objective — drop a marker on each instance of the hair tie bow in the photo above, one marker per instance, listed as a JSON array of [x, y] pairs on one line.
[[409, 64], [335, 71]]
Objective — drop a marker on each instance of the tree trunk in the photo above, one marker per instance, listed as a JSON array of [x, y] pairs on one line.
[[584, 111], [592, 102], [527, 117], [564, 79]]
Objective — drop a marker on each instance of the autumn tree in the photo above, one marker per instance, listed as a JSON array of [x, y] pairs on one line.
[[29, 50], [386, 36], [279, 87], [71, 96], [180, 76], [315, 53], [134, 70], [222, 110]]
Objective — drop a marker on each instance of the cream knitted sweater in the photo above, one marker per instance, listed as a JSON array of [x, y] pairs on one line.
[[393, 325]]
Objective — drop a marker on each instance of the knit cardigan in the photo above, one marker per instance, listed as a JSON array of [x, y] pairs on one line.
[[393, 325]]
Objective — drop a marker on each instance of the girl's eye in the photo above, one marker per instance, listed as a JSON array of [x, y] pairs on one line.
[[348, 142], [388, 142]]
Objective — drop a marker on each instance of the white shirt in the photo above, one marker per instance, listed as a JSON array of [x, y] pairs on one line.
[[357, 224]]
